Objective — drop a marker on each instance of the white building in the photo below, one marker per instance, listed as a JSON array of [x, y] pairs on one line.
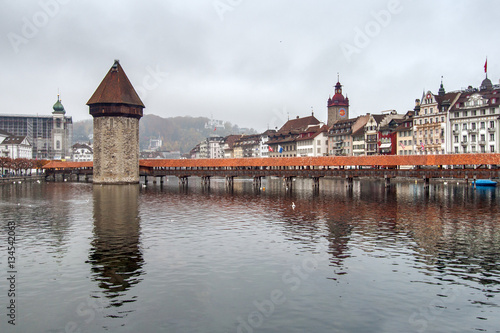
[[15, 146], [313, 141], [474, 121], [82, 153]]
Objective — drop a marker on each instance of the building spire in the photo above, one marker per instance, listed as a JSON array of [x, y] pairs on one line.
[[441, 91]]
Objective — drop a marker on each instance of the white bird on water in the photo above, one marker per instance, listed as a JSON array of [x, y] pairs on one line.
[[293, 205]]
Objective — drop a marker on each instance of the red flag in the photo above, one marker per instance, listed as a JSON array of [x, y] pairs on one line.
[[271, 148], [486, 66]]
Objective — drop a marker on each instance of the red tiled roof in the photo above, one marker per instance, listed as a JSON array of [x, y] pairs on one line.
[[299, 123], [451, 159], [115, 88]]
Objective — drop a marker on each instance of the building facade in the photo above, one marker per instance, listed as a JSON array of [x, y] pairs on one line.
[[474, 120], [40, 131], [14, 146]]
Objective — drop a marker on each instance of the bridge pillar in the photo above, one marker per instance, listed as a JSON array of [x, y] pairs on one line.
[[287, 182], [183, 181], [387, 181], [315, 183], [229, 182], [257, 181], [426, 182], [205, 181], [349, 180], [146, 179], [161, 180]]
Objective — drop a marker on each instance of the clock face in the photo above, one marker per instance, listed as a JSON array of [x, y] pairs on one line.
[[342, 112]]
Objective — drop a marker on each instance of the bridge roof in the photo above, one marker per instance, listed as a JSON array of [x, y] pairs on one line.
[[430, 160]]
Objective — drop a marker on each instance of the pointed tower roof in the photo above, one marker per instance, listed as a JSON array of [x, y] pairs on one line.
[[115, 88], [441, 91]]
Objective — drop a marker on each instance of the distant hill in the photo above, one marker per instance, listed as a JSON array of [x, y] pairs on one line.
[[178, 133]]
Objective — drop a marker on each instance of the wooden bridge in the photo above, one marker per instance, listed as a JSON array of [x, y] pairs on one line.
[[425, 167]]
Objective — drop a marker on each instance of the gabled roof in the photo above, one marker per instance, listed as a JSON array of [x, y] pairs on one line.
[[115, 88], [486, 94], [313, 131], [15, 140], [299, 123], [230, 139]]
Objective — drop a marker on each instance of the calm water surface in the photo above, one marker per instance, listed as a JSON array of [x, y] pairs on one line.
[[165, 259]]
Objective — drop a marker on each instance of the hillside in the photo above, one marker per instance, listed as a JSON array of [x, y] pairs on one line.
[[178, 133]]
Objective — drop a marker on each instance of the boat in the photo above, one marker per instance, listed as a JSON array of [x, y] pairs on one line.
[[485, 182]]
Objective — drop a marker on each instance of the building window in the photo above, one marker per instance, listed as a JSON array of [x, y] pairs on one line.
[[473, 138], [483, 137], [492, 111], [465, 113], [492, 124], [464, 126], [457, 115], [482, 125], [473, 126], [492, 137], [464, 138], [492, 149], [456, 150]]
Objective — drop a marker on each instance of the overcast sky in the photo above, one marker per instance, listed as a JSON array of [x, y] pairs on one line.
[[253, 63]]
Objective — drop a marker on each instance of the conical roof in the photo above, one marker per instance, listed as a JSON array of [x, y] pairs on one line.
[[115, 88]]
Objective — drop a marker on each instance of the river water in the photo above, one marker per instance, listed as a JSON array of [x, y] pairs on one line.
[[167, 259]]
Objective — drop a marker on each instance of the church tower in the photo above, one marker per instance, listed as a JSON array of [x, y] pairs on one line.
[[59, 138], [116, 109], [338, 106]]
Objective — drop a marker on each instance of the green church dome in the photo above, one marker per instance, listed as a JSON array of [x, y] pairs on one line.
[[58, 107]]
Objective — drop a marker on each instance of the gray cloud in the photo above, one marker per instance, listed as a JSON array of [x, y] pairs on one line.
[[241, 63]]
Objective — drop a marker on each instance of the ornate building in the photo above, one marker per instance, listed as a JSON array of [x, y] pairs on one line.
[[338, 106], [430, 119], [475, 120]]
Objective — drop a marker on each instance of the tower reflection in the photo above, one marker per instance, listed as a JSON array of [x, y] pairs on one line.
[[115, 255]]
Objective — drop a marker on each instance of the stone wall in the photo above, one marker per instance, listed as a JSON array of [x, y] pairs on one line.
[[116, 150]]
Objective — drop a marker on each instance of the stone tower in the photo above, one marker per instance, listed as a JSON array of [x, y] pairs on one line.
[[338, 106], [116, 109]]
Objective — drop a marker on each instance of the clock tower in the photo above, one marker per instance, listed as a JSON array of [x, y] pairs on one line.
[[338, 106]]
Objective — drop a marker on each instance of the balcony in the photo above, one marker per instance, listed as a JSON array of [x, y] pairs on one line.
[[463, 143], [491, 129], [456, 132], [472, 131], [482, 142]]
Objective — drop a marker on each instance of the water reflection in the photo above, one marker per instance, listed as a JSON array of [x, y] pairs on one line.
[[115, 255]]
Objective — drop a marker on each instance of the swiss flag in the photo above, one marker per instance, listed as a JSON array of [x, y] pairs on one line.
[[271, 148]]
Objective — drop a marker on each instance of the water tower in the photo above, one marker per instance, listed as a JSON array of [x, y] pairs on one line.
[[116, 109]]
